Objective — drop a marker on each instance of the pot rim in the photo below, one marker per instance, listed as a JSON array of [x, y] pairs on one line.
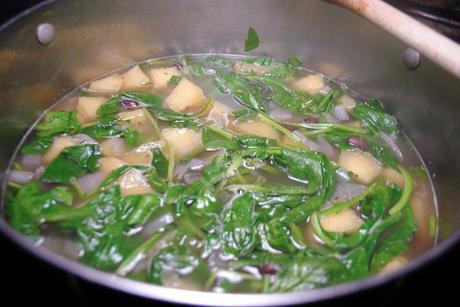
[[174, 295]]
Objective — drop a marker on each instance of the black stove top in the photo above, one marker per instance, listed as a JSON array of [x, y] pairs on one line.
[[26, 279]]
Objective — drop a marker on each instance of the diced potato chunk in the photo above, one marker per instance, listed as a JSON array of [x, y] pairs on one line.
[[185, 141], [107, 85], [59, 144], [113, 147], [135, 79], [257, 128], [138, 158], [87, 108], [186, 95], [362, 164], [394, 265], [141, 155], [345, 221], [161, 76], [393, 176], [138, 121], [311, 84], [108, 164], [134, 182], [220, 114], [347, 102]]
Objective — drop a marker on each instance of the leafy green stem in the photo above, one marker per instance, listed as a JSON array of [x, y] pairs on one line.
[[290, 190], [316, 224], [323, 126], [154, 123], [130, 261], [171, 161], [280, 128], [222, 132], [408, 188]]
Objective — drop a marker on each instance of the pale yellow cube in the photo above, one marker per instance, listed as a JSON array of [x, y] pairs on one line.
[[87, 108], [161, 76], [59, 144], [107, 85], [186, 95], [259, 128], [109, 164], [345, 221], [311, 84], [347, 102], [362, 164], [138, 121], [393, 176], [185, 141], [142, 155], [135, 79], [133, 182], [394, 264]]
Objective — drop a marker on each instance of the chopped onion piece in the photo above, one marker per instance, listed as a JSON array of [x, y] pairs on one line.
[[312, 145], [392, 145], [320, 145], [341, 113], [191, 177], [89, 182], [329, 118], [278, 113], [327, 148], [345, 191], [31, 162], [21, 176], [39, 172], [196, 165]]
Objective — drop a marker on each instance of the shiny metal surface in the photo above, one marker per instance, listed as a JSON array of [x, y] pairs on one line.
[[93, 37]]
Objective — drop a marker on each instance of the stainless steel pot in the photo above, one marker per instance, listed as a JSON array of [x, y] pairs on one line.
[[93, 37]]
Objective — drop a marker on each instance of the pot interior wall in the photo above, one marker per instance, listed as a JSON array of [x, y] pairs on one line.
[[94, 37]]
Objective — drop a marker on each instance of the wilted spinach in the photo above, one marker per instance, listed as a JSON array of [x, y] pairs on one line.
[[73, 162], [58, 122]]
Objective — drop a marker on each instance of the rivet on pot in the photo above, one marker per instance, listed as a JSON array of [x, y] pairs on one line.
[[412, 58], [45, 33]]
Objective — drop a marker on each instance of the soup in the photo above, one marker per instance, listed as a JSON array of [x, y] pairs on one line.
[[223, 173]]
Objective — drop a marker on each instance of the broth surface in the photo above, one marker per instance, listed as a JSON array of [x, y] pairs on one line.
[[223, 173]]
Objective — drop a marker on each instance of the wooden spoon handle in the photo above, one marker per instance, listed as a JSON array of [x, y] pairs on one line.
[[430, 43]]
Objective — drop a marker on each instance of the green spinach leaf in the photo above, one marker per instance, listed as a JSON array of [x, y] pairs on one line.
[[58, 122], [252, 40], [72, 162]]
